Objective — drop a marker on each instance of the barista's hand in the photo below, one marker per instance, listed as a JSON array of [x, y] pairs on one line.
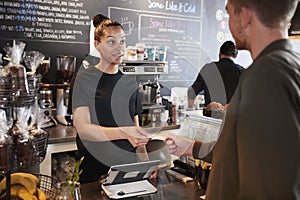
[[179, 145], [136, 135]]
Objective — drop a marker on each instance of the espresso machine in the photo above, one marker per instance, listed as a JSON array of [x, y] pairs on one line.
[[146, 73], [65, 71], [149, 91]]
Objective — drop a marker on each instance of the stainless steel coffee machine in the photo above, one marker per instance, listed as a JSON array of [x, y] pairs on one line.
[[65, 71], [147, 74], [150, 96], [149, 91]]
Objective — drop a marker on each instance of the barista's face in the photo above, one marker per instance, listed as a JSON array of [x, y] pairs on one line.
[[112, 45]]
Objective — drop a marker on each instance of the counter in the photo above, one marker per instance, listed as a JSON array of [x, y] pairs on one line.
[[63, 139], [167, 189], [62, 134]]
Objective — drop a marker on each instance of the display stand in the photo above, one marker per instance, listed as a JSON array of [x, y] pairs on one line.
[[17, 93]]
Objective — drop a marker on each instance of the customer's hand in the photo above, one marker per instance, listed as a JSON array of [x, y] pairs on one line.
[[179, 145], [136, 135], [154, 174]]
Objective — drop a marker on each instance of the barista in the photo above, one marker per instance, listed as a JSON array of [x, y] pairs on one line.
[[106, 105]]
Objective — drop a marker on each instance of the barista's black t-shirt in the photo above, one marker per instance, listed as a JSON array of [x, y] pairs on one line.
[[113, 101]]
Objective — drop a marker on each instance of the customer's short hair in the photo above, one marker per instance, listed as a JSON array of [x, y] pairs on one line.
[[228, 48], [271, 13]]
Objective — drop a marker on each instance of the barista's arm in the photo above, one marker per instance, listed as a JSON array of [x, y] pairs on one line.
[[140, 149], [92, 132]]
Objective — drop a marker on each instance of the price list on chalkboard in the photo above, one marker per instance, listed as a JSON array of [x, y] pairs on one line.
[[192, 30], [46, 20]]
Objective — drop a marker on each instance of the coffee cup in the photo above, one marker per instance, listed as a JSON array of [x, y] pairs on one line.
[[151, 53], [162, 51], [131, 53], [140, 51]]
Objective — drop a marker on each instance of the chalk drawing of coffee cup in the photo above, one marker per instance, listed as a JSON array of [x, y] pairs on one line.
[[128, 26]]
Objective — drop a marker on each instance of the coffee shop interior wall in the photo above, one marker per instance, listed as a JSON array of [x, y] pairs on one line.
[[192, 30]]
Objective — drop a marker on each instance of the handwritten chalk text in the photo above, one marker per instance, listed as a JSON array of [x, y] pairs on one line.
[[173, 6]]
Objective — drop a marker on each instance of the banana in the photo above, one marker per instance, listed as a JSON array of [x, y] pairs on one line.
[[29, 181], [30, 176], [41, 195], [21, 192]]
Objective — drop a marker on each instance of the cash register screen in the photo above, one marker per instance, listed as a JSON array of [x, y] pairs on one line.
[[131, 172]]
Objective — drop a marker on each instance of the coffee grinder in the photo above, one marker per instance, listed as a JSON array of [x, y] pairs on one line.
[[45, 108], [65, 71], [45, 101]]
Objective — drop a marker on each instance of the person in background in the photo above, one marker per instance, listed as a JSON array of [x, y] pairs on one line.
[[218, 79], [257, 153], [106, 105]]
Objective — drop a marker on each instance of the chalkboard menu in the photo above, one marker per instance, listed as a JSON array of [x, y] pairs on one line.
[[49, 26], [61, 27], [44, 20]]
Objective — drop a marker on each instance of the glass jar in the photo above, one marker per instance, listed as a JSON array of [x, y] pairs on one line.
[[68, 190]]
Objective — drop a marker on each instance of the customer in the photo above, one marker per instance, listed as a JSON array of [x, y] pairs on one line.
[[257, 155], [106, 105], [218, 79]]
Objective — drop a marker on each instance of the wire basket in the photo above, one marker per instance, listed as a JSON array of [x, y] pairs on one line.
[[17, 156], [30, 152], [41, 144], [6, 154], [47, 185], [18, 91]]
